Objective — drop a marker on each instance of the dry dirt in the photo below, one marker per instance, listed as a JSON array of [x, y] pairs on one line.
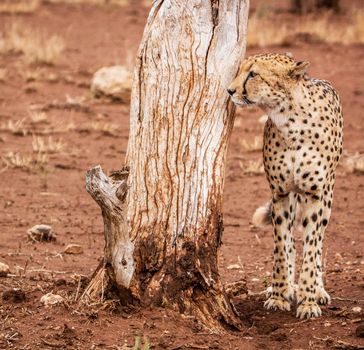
[[54, 194]]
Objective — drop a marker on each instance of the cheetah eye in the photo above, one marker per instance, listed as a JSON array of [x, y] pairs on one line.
[[252, 74]]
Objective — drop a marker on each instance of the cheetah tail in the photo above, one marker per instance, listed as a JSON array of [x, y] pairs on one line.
[[263, 215]]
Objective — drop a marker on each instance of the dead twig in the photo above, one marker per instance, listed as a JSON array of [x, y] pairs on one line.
[[348, 299], [25, 270], [78, 288]]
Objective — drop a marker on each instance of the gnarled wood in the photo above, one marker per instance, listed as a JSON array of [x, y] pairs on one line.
[[181, 122]]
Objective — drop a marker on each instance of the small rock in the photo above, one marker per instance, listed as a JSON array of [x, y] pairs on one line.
[[114, 82], [359, 332], [14, 295], [73, 249], [51, 299], [41, 233], [4, 269], [356, 309], [327, 324], [234, 267]]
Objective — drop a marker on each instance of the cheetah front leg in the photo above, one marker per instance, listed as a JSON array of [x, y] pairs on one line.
[[282, 291], [308, 281]]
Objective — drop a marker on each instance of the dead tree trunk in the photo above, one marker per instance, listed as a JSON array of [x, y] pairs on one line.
[[163, 213]]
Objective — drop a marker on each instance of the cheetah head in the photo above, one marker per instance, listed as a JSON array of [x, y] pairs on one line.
[[266, 80]]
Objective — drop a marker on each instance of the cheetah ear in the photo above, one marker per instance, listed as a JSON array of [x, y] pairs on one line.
[[299, 69]]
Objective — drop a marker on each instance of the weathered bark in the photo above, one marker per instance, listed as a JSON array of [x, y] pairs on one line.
[[162, 238]]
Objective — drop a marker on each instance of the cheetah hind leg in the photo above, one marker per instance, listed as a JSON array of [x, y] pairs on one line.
[[321, 296], [282, 291]]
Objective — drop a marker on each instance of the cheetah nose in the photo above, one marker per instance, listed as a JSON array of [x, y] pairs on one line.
[[231, 91]]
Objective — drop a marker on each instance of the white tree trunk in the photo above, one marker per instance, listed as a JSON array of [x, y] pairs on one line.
[[165, 252]]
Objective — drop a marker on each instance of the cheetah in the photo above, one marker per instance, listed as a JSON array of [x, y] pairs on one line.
[[301, 149]]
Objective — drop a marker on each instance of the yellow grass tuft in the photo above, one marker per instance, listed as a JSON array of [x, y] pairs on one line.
[[18, 7], [49, 146], [38, 117], [75, 101], [16, 127], [65, 127], [16, 160], [104, 127], [252, 167], [22, 161], [252, 146], [265, 30], [32, 43]]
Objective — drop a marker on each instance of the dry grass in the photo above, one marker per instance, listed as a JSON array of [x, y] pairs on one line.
[[252, 146], [271, 35], [65, 127], [16, 127], [58, 128], [252, 167], [39, 124], [47, 146], [38, 117], [265, 30], [16, 160], [22, 161], [105, 128], [76, 102], [353, 163], [34, 44], [18, 7]]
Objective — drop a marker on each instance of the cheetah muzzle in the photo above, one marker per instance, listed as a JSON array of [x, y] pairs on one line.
[[301, 149]]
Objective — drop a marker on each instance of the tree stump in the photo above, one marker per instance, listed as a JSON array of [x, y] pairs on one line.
[[163, 211]]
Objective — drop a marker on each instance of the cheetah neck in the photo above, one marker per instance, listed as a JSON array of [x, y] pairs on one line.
[[289, 115]]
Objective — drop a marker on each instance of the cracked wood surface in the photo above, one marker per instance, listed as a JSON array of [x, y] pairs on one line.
[[180, 124], [180, 116]]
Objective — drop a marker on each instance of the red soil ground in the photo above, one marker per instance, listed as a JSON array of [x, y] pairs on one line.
[[100, 36]]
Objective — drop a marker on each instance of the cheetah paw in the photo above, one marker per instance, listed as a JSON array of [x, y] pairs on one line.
[[277, 303], [322, 297], [288, 293], [269, 291], [308, 309]]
